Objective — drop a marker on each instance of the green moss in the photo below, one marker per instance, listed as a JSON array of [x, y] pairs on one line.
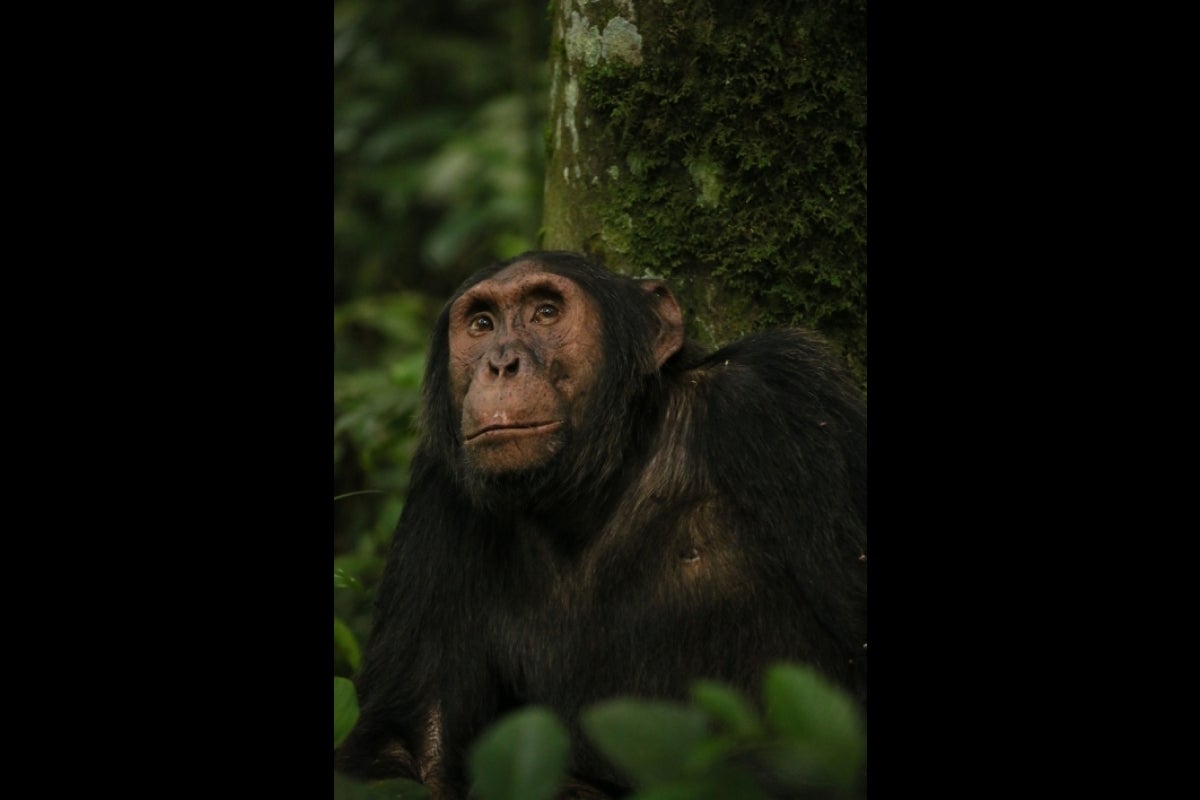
[[707, 177], [731, 160], [746, 164]]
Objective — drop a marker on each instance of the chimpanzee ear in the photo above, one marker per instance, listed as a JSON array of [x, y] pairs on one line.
[[670, 320]]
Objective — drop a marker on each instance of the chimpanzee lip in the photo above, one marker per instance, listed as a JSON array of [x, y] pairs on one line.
[[532, 427]]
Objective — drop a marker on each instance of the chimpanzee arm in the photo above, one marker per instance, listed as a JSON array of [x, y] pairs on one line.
[[423, 673]]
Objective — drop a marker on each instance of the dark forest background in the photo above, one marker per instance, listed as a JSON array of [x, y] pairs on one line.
[[439, 114]]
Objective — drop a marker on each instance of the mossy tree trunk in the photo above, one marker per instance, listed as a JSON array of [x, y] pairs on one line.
[[721, 144]]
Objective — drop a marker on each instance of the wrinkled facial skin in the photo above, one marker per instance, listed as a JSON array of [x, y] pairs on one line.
[[525, 352]]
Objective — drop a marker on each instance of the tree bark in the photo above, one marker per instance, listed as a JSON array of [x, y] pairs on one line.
[[722, 145]]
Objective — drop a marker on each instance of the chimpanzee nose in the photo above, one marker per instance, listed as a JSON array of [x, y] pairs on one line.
[[504, 363]]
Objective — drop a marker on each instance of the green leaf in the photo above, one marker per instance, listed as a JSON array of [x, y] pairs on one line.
[[345, 710], [654, 742], [823, 736], [346, 643], [522, 757], [728, 707], [343, 581]]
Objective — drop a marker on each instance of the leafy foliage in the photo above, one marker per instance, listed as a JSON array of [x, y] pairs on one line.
[[521, 757], [438, 110], [727, 708], [345, 643], [811, 741], [822, 738], [652, 742]]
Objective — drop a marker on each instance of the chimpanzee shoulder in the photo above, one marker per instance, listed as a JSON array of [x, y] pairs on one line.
[[777, 390], [779, 428]]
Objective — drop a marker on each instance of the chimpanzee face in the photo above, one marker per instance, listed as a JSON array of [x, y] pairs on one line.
[[525, 354]]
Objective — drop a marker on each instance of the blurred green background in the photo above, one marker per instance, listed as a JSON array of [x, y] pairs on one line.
[[438, 122]]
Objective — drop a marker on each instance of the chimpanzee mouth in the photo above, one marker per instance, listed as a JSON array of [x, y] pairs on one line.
[[505, 431]]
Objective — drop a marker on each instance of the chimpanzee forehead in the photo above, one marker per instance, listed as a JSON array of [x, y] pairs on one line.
[[517, 282], [518, 271]]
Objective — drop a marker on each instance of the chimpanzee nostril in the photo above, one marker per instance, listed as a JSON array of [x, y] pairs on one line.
[[504, 364]]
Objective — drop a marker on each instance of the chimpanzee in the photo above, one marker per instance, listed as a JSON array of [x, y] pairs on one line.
[[599, 508]]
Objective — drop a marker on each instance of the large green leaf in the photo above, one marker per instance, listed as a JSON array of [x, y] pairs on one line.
[[823, 739], [346, 643], [345, 710], [727, 706], [522, 757], [654, 742]]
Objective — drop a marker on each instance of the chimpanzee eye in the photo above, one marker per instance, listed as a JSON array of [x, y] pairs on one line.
[[545, 313], [481, 324]]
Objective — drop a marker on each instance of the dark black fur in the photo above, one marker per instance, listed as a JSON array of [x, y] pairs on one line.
[[712, 520]]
